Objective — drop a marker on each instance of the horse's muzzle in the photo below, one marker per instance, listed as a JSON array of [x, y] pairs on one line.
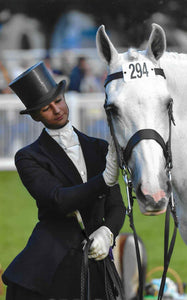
[[154, 204]]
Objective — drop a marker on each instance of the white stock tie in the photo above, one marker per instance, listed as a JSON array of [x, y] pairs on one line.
[[68, 140]]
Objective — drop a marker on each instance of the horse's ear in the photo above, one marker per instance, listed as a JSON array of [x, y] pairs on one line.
[[157, 42], [104, 46]]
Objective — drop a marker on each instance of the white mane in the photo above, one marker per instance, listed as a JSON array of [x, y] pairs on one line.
[[175, 68], [134, 54], [175, 55]]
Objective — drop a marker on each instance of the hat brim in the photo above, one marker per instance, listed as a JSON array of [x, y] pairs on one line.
[[49, 97]]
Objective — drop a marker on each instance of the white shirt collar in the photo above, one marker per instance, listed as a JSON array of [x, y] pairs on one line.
[[68, 140], [65, 136]]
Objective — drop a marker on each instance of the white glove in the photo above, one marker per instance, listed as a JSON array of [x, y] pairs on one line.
[[111, 171], [102, 241]]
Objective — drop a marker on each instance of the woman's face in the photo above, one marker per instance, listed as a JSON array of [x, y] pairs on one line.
[[55, 115]]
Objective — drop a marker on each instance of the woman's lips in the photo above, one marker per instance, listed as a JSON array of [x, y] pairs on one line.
[[59, 118]]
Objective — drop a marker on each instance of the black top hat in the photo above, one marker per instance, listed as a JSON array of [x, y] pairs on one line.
[[36, 87]]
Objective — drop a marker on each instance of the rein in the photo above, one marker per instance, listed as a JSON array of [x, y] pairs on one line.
[[112, 280], [123, 158]]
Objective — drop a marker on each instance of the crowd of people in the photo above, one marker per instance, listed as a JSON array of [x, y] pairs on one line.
[[80, 75]]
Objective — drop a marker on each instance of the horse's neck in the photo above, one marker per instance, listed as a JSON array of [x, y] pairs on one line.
[[175, 68]]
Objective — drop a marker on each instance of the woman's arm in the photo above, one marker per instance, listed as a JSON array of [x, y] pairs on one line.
[[49, 192]]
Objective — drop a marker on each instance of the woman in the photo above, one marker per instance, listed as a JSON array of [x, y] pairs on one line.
[[68, 174]]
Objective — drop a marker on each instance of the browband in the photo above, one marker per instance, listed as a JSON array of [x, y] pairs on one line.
[[118, 75]]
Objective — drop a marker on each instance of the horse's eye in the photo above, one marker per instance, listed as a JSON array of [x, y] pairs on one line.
[[112, 108]]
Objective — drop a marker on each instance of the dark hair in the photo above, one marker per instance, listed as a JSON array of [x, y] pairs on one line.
[[81, 59]]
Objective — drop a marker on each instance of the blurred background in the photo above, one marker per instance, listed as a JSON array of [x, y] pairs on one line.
[[62, 34]]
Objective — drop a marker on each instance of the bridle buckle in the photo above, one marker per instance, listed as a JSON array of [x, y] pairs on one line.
[[128, 185]]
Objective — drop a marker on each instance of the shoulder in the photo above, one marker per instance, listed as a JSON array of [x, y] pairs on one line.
[[28, 150]]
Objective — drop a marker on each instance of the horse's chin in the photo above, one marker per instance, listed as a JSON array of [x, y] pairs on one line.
[[150, 210], [154, 213]]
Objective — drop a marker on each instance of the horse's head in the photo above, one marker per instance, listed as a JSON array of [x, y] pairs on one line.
[[138, 99]]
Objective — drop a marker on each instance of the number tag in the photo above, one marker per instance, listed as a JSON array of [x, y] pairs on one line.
[[138, 70]]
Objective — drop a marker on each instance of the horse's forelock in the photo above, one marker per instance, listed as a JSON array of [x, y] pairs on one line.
[[133, 54]]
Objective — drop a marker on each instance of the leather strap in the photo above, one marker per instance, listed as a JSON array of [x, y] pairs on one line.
[[144, 134], [85, 289], [159, 71], [168, 249], [118, 75], [113, 283], [113, 76]]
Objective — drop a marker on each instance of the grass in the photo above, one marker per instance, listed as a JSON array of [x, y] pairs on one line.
[[151, 231], [18, 215]]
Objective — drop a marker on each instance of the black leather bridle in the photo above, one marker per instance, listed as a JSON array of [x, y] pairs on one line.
[[124, 155], [141, 134]]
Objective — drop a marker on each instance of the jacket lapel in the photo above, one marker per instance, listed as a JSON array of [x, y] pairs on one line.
[[89, 150], [56, 154]]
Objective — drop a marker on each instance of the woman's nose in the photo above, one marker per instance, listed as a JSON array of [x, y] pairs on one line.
[[56, 109]]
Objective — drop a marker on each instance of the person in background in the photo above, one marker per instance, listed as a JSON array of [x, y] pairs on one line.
[[6, 77], [68, 174], [77, 75]]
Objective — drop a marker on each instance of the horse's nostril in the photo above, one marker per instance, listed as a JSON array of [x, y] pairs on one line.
[[155, 202], [141, 196]]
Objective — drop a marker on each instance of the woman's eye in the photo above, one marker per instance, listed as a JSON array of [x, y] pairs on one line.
[[57, 101], [45, 109]]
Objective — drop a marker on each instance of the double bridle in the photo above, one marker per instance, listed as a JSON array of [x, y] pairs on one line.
[[124, 155]]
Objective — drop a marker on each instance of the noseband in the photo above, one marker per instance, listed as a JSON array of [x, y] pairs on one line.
[[124, 155]]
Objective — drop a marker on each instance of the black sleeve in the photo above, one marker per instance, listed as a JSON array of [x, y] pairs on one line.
[[114, 210], [50, 193]]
